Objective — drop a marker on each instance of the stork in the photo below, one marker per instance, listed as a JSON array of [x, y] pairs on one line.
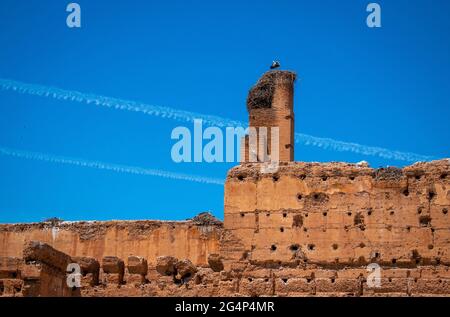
[[275, 64]]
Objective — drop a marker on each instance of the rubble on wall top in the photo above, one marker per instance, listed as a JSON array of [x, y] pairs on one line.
[[54, 221], [91, 230], [206, 219], [336, 169]]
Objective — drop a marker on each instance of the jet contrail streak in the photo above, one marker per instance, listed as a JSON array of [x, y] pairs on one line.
[[107, 166], [210, 120]]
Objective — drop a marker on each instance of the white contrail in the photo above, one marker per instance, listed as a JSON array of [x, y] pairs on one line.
[[210, 120], [107, 166]]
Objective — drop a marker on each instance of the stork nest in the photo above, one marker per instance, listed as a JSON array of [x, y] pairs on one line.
[[261, 95]]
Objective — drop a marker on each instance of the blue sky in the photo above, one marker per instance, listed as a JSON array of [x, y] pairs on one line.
[[387, 87]]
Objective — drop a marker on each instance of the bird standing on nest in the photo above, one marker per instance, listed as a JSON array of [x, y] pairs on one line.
[[275, 64]]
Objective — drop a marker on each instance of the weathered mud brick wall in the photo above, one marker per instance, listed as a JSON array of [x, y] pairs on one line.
[[193, 239], [44, 271], [270, 103], [40, 272], [10, 278], [311, 224]]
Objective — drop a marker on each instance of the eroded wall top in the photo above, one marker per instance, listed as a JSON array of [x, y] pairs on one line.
[[193, 239]]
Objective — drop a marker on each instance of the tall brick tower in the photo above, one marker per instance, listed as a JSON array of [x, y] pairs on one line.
[[270, 103]]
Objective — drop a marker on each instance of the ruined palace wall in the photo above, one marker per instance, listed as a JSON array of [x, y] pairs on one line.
[[185, 240], [339, 214], [270, 104]]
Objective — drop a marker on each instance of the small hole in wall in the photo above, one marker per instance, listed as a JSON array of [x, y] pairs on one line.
[[14, 275], [299, 196], [179, 282], [408, 228], [390, 280], [306, 215], [294, 247], [311, 247], [297, 221], [273, 247], [430, 246], [431, 195], [425, 221], [445, 211], [284, 215], [250, 279], [406, 192], [391, 212], [302, 177], [308, 279], [305, 229], [352, 178], [245, 255], [324, 213], [419, 210], [241, 177], [362, 245], [284, 280], [443, 176], [369, 213], [316, 196], [333, 280], [349, 213], [267, 214], [324, 178], [275, 178], [417, 177], [281, 229], [335, 246], [394, 261], [242, 214], [266, 280]]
